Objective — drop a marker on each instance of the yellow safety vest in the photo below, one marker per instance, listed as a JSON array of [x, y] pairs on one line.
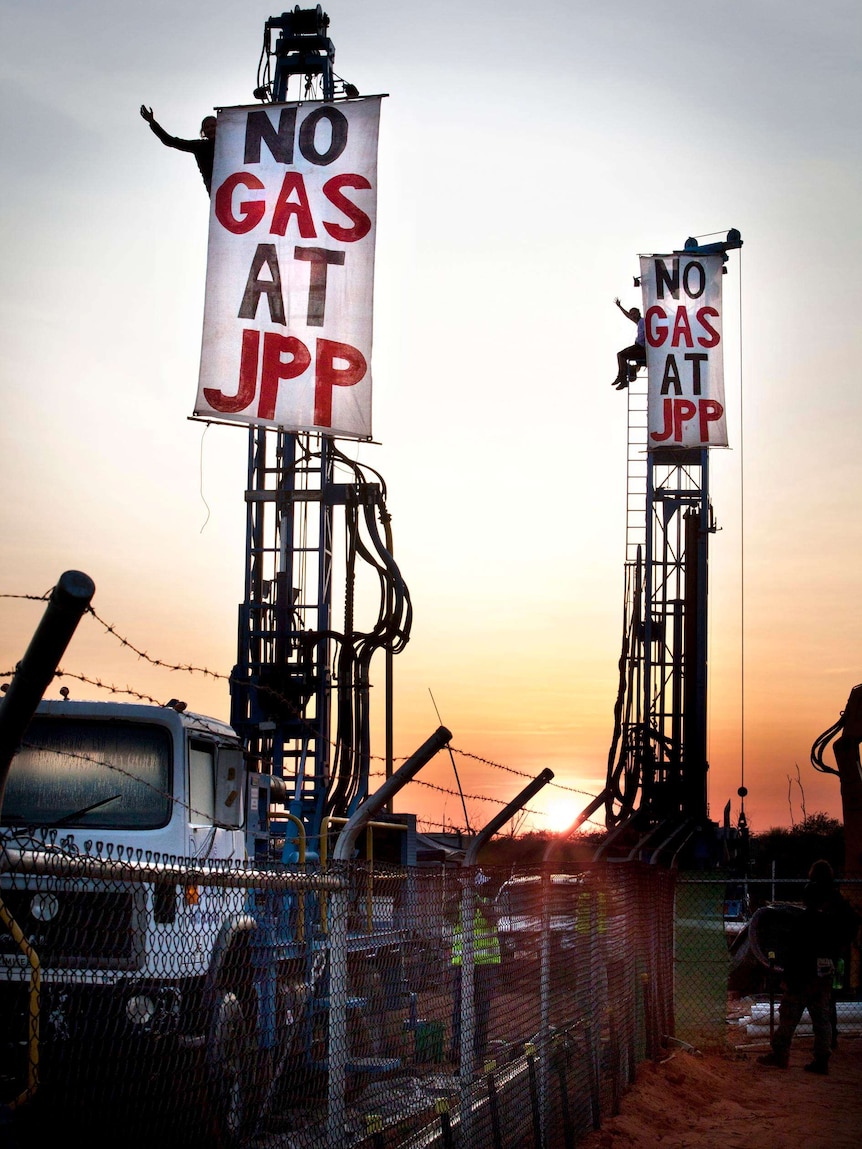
[[486, 943], [583, 923]]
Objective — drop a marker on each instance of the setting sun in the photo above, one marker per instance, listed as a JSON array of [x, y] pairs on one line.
[[560, 815]]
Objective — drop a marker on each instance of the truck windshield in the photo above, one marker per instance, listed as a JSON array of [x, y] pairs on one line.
[[82, 772]]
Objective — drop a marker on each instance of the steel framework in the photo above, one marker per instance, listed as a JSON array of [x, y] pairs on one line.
[[657, 763], [300, 694]]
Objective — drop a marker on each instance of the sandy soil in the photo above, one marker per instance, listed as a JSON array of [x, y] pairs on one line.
[[728, 1101]]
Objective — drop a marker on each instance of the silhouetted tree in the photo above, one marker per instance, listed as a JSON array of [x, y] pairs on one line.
[[793, 850]]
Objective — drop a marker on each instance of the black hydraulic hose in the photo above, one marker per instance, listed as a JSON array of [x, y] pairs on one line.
[[360, 470], [820, 745], [391, 631], [344, 766], [403, 609]]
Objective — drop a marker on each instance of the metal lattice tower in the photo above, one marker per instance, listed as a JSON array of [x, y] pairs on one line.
[[657, 763], [300, 692], [281, 694]]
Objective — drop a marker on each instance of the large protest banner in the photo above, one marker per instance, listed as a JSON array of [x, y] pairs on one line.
[[684, 351], [290, 269]]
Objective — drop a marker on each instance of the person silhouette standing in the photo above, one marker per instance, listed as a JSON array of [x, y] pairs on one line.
[[826, 923]]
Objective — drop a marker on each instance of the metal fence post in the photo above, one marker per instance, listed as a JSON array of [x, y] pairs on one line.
[[545, 952], [339, 908], [545, 998], [468, 910]]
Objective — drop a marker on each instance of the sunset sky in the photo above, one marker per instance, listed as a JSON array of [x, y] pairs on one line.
[[527, 156]]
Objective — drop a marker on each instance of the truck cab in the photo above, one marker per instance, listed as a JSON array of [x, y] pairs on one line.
[[105, 804], [153, 778]]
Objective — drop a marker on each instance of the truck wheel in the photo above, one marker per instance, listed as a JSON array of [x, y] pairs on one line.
[[231, 1064]]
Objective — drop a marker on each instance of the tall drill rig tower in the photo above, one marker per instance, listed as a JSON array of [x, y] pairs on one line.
[[656, 791], [288, 312]]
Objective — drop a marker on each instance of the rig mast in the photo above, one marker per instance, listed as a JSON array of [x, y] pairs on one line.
[[656, 792], [301, 687]]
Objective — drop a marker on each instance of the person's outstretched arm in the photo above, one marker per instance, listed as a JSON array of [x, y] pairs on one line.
[[627, 314], [167, 139]]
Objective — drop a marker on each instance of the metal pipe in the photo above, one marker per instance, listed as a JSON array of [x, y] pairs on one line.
[[33, 1011], [69, 600], [369, 854], [586, 813], [56, 865], [508, 812], [300, 843], [375, 802]]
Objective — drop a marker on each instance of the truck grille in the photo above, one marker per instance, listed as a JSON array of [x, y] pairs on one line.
[[87, 929]]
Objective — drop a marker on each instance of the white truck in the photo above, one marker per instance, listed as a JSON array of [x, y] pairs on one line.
[[122, 897]]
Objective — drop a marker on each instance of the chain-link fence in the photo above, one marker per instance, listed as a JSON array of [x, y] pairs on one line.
[[155, 999], [733, 936]]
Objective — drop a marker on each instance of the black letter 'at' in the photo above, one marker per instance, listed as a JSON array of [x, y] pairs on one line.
[[338, 142], [258, 126], [662, 279], [319, 258], [671, 377], [256, 287], [696, 359]]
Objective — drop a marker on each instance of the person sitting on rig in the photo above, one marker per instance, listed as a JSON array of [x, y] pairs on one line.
[[630, 358], [203, 149]]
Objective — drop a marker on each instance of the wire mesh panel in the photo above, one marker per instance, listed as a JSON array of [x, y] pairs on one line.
[[701, 961], [368, 1005]]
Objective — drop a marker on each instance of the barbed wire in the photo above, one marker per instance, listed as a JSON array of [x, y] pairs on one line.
[[93, 760], [456, 794], [186, 668], [127, 690], [190, 668], [520, 773]]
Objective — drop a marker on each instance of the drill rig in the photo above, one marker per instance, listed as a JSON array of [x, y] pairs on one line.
[[301, 689], [655, 796]]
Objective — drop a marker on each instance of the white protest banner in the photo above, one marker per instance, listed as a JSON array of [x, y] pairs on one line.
[[684, 351], [290, 268]]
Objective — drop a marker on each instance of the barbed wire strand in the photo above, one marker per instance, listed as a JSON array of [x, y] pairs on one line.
[[190, 668]]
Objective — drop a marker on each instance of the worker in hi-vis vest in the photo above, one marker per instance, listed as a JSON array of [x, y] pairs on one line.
[[486, 966]]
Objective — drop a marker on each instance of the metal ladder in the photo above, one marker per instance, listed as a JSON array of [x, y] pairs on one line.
[[636, 468]]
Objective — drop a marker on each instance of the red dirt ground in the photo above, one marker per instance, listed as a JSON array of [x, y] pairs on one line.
[[728, 1101]]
